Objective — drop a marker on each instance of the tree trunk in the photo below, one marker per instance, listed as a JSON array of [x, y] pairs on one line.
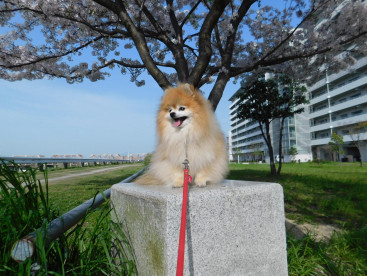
[[359, 146], [267, 139], [273, 169], [280, 146], [217, 91]]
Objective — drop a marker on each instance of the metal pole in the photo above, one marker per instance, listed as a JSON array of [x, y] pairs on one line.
[[25, 247]]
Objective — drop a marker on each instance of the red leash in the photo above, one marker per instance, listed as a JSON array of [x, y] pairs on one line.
[[181, 243]]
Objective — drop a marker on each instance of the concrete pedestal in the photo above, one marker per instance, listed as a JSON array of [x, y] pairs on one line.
[[233, 228]]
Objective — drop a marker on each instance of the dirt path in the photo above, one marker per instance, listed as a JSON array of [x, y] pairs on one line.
[[80, 174], [320, 232]]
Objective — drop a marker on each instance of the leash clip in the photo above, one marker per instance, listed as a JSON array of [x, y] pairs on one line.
[[186, 164]]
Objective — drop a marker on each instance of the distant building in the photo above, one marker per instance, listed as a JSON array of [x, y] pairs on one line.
[[337, 103], [67, 156]]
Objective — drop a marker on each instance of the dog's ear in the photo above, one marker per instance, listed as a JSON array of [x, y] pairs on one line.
[[188, 88]]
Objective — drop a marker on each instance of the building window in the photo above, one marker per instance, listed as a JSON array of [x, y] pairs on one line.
[[292, 143], [357, 112], [343, 116], [355, 96]]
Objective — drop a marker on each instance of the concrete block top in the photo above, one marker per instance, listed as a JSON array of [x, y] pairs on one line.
[[162, 192]]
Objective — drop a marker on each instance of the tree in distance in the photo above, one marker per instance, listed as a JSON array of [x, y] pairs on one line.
[[266, 100], [336, 145], [293, 152]]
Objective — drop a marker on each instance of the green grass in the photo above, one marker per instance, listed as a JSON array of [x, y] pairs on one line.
[[344, 254], [26, 205], [56, 172], [69, 193], [317, 192], [321, 193]]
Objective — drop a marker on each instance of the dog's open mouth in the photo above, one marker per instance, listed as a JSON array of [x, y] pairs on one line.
[[179, 121]]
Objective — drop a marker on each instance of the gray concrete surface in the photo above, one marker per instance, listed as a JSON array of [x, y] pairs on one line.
[[233, 228]]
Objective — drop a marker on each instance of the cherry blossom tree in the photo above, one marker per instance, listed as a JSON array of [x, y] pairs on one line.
[[194, 41]]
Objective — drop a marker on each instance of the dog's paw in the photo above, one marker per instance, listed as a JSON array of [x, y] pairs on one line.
[[201, 182], [178, 183]]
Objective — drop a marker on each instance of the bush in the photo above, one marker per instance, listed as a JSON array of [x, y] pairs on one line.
[[148, 159]]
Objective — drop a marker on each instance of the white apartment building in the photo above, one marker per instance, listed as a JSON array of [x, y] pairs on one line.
[[337, 103], [247, 144]]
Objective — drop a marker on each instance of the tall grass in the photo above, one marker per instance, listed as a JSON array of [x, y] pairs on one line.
[[344, 254], [84, 250]]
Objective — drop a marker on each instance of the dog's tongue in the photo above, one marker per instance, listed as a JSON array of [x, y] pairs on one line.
[[177, 123]]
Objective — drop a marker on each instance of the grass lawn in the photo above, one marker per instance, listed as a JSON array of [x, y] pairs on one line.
[[67, 194], [316, 193]]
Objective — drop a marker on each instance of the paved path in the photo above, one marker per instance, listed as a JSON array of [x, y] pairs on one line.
[[80, 174]]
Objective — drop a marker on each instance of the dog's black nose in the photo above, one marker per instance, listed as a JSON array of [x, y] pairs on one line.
[[173, 115]]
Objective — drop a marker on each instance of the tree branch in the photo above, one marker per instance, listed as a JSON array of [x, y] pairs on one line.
[[141, 45], [205, 50], [56, 56], [177, 49], [189, 14]]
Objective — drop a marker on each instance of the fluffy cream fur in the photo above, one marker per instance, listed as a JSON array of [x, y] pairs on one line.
[[186, 124]]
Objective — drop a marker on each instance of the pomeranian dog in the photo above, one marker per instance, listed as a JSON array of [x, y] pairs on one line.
[[187, 129]]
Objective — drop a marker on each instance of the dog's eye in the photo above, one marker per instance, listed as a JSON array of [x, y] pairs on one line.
[[181, 108], [169, 110]]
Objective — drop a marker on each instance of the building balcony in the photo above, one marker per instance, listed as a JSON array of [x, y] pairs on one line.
[[340, 123], [256, 133], [321, 141], [349, 121], [249, 143], [231, 106], [238, 125], [252, 150], [348, 86], [322, 97], [360, 63], [350, 103], [339, 106], [320, 127], [346, 138], [319, 113], [341, 89]]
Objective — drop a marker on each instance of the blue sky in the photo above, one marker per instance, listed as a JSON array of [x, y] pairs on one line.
[[110, 116]]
